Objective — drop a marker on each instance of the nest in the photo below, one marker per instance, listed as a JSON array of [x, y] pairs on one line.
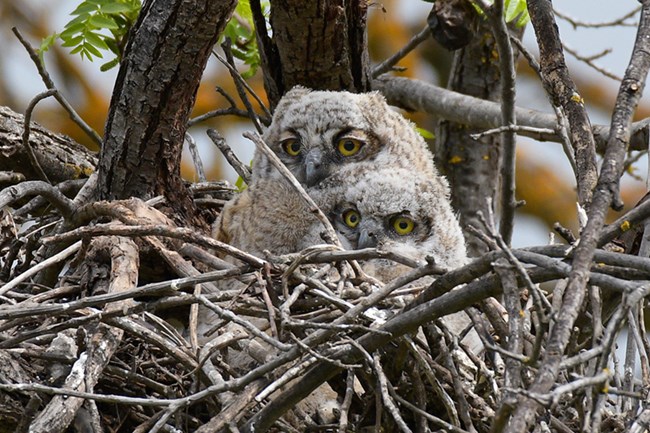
[[103, 329]]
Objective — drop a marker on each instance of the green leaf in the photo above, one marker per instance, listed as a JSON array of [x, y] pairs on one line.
[[103, 22], [92, 50], [109, 65], [77, 50], [72, 42], [240, 184], [84, 9], [243, 9], [115, 8], [72, 29], [47, 43], [95, 40], [425, 133], [514, 8]]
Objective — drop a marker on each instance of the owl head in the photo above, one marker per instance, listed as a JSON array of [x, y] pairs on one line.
[[316, 133], [399, 210]]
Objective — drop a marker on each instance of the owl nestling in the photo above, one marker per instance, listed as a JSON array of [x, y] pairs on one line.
[[397, 210], [316, 134]]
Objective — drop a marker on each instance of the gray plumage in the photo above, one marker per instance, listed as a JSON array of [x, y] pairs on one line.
[[396, 210], [316, 134]]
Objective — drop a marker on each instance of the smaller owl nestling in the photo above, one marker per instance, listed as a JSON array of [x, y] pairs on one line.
[[395, 210]]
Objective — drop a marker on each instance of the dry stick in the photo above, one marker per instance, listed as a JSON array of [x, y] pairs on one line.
[[507, 68], [153, 289], [196, 157], [417, 95], [617, 22], [385, 395], [347, 401], [589, 62], [511, 295], [103, 343], [563, 93], [284, 171], [188, 235], [241, 169], [26, 131], [388, 64], [235, 410], [240, 83], [438, 389], [606, 193], [38, 187], [40, 266], [45, 76]]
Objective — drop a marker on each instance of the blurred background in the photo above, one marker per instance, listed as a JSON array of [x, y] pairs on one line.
[[544, 177]]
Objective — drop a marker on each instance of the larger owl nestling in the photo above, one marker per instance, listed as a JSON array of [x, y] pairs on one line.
[[316, 134]]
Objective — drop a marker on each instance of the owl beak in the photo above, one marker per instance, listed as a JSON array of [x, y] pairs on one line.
[[367, 239], [314, 169]]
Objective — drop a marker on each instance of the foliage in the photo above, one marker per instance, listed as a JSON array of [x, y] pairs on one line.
[[513, 10], [241, 31], [86, 34]]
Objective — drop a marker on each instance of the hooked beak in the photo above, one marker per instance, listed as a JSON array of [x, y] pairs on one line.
[[367, 239], [314, 169]]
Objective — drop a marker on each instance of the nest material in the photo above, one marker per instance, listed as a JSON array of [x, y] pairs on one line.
[[99, 332]]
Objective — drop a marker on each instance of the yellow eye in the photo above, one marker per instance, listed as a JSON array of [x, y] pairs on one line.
[[292, 146], [349, 146], [403, 225], [351, 218]]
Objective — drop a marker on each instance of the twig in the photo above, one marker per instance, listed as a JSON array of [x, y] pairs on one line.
[[26, 130], [563, 93], [186, 234], [196, 158], [331, 236], [512, 128], [38, 187], [616, 22], [385, 395], [218, 112], [508, 76], [589, 61], [34, 270], [240, 84], [388, 64], [45, 76], [242, 170], [347, 401]]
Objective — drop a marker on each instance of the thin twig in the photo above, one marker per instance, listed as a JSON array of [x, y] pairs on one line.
[[388, 64], [331, 236], [45, 76], [196, 158], [242, 170], [26, 130]]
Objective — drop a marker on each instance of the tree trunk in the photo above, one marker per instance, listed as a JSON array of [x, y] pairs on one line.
[[472, 166], [321, 45], [154, 93]]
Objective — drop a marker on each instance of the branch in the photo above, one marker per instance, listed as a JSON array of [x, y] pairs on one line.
[[45, 76], [416, 95], [606, 191]]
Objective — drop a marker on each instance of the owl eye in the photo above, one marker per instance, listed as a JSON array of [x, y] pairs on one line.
[[348, 146], [292, 146], [403, 225], [351, 218]]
